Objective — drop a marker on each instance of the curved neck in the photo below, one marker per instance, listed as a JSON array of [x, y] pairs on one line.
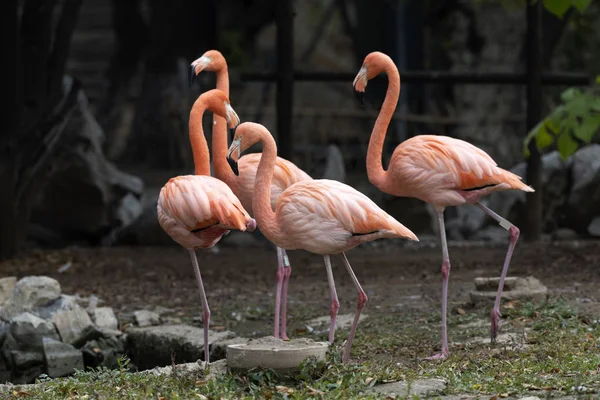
[[261, 199], [375, 171], [220, 135], [197, 139]]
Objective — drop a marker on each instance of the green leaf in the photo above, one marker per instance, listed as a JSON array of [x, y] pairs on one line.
[[598, 79], [581, 5], [566, 145], [557, 7], [588, 128], [543, 137], [569, 94]]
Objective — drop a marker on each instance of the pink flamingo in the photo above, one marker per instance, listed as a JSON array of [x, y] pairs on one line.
[[285, 175], [197, 210], [439, 170], [320, 216]]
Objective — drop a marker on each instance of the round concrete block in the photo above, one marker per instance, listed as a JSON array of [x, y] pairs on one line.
[[284, 357]]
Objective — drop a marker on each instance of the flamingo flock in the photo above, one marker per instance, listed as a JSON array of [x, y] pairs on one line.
[[321, 216]]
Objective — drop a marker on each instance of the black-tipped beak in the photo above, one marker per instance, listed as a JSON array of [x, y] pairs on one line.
[[232, 133], [192, 74], [360, 96], [234, 166]]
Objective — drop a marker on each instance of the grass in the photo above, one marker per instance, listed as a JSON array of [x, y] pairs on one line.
[[557, 352]]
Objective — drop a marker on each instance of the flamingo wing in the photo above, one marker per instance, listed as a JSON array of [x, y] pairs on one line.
[[323, 216], [196, 210], [285, 175], [449, 163]]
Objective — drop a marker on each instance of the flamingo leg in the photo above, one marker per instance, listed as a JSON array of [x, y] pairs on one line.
[[205, 309], [287, 268], [335, 304], [280, 273], [362, 300], [514, 237], [445, 275]]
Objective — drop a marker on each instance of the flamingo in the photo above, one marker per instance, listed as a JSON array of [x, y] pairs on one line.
[[320, 216], [439, 170], [285, 175], [198, 210]]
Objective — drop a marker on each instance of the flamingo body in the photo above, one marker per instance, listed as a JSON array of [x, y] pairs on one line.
[[445, 171], [328, 217], [196, 211]]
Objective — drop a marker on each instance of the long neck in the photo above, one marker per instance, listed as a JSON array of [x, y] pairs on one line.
[[197, 139], [377, 175], [261, 199], [219, 136]]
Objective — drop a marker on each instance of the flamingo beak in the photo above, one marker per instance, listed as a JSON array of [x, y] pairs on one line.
[[235, 147], [198, 66], [360, 84]]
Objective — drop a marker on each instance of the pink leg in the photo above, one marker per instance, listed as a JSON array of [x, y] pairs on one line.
[[362, 300], [514, 236], [287, 268], [205, 309], [335, 304], [280, 274], [445, 275]]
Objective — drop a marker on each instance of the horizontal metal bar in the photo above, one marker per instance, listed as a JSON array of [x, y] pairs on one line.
[[504, 78]]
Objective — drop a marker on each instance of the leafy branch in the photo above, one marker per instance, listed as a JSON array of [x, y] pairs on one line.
[[572, 124]]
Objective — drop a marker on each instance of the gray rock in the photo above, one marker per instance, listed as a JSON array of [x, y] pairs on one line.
[[594, 227], [63, 303], [61, 358], [583, 203], [145, 318], [104, 318], [30, 292], [494, 233], [26, 359], [152, 346], [103, 352], [515, 288], [564, 234], [5, 371], [3, 331], [6, 287], [9, 345], [28, 330], [28, 375], [75, 326], [335, 168], [129, 209], [402, 389]]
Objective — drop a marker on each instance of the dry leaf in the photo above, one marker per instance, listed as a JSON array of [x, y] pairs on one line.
[[511, 304], [460, 311], [20, 393], [312, 391], [284, 389], [494, 398], [504, 395], [200, 383], [368, 380], [555, 370], [201, 396]]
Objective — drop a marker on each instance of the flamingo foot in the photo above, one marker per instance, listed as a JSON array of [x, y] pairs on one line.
[[495, 317], [439, 356]]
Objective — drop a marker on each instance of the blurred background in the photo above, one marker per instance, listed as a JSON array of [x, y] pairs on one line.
[[99, 103]]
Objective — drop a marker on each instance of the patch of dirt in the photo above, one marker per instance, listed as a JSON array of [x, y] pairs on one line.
[[240, 282]]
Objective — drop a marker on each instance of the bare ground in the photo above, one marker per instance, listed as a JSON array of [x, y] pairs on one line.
[[240, 281]]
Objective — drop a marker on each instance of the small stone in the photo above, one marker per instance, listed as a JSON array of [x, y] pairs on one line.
[[30, 292], [28, 330], [515, 288], [144, 318], [75, 326], [103, 352], [419, 387], [29, 375], [6, 287], [564, 234], [26, 359], [104, 318], [63, 303], [61, 358], [594, 227], [530, 398]]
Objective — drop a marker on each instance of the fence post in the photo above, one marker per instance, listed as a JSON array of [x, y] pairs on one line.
[[285, 77]]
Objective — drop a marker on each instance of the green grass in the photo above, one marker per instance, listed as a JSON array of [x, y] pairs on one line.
[[561, 356]]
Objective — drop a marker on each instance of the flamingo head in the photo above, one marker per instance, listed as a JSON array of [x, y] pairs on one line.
[[371, 67], [212, 61], [218, 102], [246, 135]]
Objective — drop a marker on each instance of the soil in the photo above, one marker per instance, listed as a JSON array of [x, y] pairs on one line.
[[240, 281]]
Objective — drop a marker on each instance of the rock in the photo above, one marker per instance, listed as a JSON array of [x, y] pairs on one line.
[[28, 375], [515, 288], [468, 219], [283, 356], [335, 168], [83, 196], [145, 318], [594, 227], [417, 388], [153, 346], [564, 234], [3, 331], [6, 287], [28, 330], [30, 292], [218, 349], [26, 359], [5, 371], [103, 352], [343, 321], [61, 358], [75, 326], [9, 345], [63, 303], [583, 203], [129, 209], [494, 233], [104, 318]]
